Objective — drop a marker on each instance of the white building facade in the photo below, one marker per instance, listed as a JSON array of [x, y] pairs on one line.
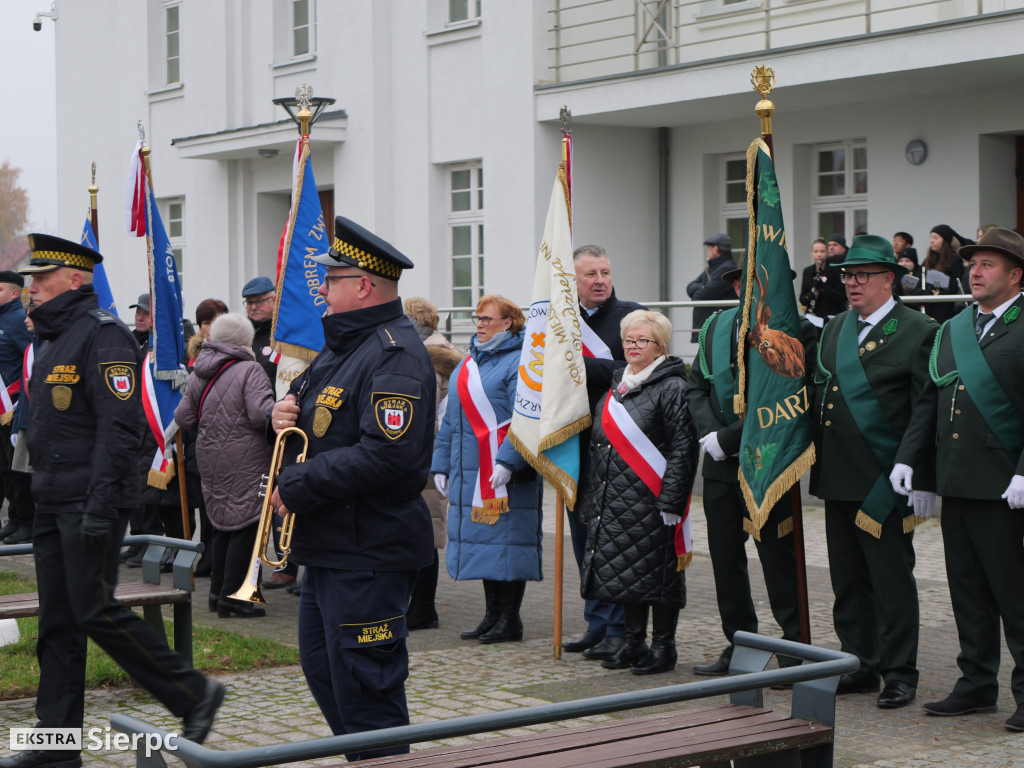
[[443, 137]]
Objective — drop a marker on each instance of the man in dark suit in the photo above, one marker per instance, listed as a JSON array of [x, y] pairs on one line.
[[709, 393], [973, 407], [872, 368], [708, 284], [602, 312]]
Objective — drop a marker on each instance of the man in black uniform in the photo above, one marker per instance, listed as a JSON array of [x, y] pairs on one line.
[[14, 338], [258, 295], [83, 423], [708, 284], [709, 395], [362, 529], [602, 312]]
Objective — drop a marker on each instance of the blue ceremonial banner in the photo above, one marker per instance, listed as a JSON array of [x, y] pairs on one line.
[[298, 331], [100, 284], [166, 312]]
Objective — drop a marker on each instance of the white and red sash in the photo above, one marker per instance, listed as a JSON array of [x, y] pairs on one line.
[[643, 457], [488, 503], [26, 366], [162, 460], [592, 344], [7, 404]]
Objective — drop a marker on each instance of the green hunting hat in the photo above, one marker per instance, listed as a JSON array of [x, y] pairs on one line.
[[872, 249]]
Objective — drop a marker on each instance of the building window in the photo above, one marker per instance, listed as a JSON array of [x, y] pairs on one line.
[[466, 234], [302, 27], [172, 35], [174, 219], [463, 10], [733, 206], [841, 189]]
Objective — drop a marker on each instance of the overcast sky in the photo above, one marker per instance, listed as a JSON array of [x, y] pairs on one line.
[[28, 135]]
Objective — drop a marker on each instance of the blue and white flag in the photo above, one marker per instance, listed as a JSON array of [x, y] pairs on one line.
[[298, 331], [100, 284]]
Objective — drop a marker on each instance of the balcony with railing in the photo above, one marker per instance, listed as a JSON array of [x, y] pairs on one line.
[[595, 38]]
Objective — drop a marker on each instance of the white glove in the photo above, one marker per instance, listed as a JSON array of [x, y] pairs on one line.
[[901, 478], [441, 483], [14, 439], [1014, 493], [924, 503], [710, 444], [500, 476], [670, 518]]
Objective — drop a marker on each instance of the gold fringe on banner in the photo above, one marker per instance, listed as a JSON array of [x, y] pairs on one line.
[[868, 524], [684, 561], [294, 350], [785, 527], [489, 513], [6, 418], [910, 522], [779, 488], [753, 530], [562, 481], [159, 479], [559, 437]]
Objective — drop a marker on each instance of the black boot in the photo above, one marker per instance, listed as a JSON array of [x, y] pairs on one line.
[[422, 614], [213, 602], [492, 597], [662, 656], [636, 633], [509, 626]]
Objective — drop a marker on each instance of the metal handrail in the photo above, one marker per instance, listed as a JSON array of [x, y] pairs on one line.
[[819, 664]]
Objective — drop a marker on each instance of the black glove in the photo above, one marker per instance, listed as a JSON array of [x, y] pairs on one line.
[[95, 532]]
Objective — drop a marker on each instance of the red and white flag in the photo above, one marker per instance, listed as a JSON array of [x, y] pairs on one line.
[[135, 196]]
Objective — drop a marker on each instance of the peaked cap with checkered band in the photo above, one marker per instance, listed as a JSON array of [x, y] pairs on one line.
[[49, 253], [358, 247]]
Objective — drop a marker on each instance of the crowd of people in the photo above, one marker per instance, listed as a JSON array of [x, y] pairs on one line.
[[408, 453]]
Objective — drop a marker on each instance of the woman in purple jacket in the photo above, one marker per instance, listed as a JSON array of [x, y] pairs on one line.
[[227, 401]]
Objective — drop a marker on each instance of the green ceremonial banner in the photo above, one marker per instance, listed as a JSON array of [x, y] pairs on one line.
[[776, 447]]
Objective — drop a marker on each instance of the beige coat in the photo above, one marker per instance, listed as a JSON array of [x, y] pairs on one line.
[[445, 356]]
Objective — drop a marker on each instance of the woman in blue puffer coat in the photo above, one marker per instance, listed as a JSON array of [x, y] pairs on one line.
[[494, 516]]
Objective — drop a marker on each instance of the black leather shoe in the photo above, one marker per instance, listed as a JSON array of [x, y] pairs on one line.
[[127, 553], [661, 658], [626, 656], [9, 527], [21, 536], [588, 639], [39, 758], [851, 684], [896, 694], [955, 704], [199, 720], [1016, 723], [606, 649], [716, 668], [227, 606], [213, 602]]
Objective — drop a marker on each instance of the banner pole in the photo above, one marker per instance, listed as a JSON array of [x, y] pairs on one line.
[[182, 487], [93, 212], [559, 565], [801, 563]]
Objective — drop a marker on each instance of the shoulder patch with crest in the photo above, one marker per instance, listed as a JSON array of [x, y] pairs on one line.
[[393, 412], [119, 378]]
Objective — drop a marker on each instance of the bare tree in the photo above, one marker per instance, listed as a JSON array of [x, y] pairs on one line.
[[13, 204]]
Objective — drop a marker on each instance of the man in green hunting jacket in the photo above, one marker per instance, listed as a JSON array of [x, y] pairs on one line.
[[872, 366]]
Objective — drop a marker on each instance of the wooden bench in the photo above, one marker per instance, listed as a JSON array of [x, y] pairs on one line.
[[741, 733], [149, 594]]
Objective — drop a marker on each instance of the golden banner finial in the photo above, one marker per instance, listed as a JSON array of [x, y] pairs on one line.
[[763, 80], [304, 98]]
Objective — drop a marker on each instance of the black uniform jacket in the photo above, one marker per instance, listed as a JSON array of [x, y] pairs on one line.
[[83, 431], [896, 367], [367, 407], [702, 399], [971, 461]]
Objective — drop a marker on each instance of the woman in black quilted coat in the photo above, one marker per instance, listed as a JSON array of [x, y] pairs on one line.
[[630, 555]]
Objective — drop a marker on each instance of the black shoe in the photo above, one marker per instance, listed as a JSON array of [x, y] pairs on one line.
[[626, 656], [39, 758], [851, 684], [955, 704], [204, 567], [716, 668], [605, 649], [661, 658], [421, 617], [214, 599], [127, 553], [10, 527], [492, 600], [21, 536], [509, 627], [199, 720], [1016, 723], [135, 561], [227, 606], [294, 589], [896, 694], [588, 639]]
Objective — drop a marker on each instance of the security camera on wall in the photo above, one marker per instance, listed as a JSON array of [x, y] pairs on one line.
[[37, 24]]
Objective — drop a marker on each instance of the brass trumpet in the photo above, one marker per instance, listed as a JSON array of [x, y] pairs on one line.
[[250, 589]]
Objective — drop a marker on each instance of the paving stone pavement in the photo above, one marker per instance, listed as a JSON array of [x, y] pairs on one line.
[[451, 678]]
